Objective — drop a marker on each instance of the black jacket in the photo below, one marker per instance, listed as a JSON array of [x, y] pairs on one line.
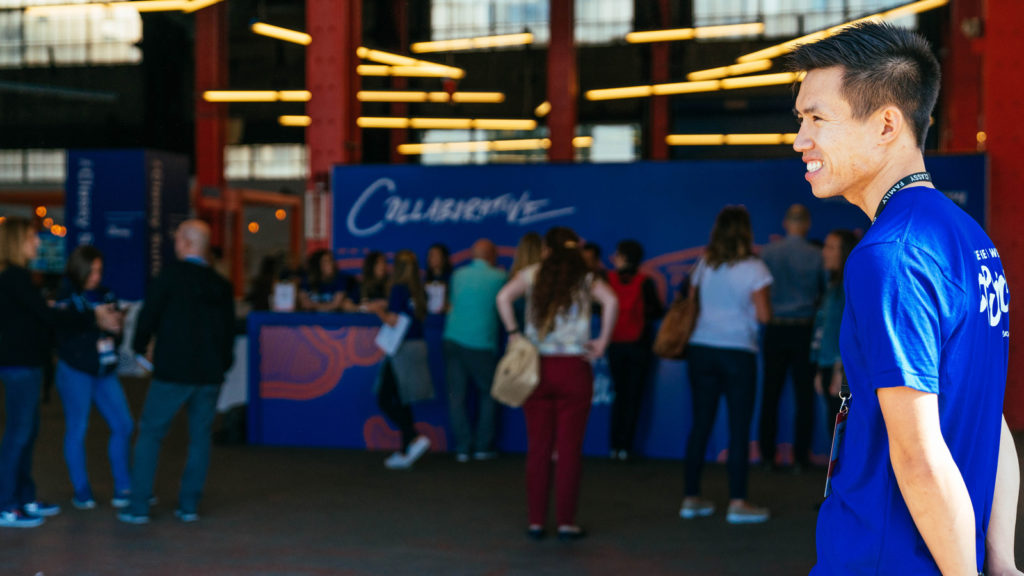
[[190, 309], [27, 323], [77, 346]]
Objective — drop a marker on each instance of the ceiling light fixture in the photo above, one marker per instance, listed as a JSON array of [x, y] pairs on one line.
[[729, 139], [893, 14], [750, 29], [279, 33], [446, 123], [478, 42]]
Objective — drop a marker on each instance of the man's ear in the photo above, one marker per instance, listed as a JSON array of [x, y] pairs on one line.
[[891, 123]]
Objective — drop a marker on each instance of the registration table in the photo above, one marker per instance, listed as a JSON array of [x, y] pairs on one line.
[[311, 380]]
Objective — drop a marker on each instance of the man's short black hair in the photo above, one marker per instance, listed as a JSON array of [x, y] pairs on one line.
[[882, 65]]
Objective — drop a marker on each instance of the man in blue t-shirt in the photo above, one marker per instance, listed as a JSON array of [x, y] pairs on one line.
[[926, 478]]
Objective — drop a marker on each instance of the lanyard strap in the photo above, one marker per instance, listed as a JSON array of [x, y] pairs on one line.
[[915, 177]]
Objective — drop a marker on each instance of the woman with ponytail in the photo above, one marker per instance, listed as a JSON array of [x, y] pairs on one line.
[[559, 291]]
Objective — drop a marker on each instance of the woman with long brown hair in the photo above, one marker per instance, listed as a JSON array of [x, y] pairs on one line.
[[26, 323], [404, 377], [733, 287], [559, 291]]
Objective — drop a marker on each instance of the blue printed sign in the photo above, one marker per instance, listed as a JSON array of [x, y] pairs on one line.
[[127, 203]]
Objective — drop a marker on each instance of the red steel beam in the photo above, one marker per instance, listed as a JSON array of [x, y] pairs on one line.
[[658, 121], [1004, 127], [563, 82], [211, 73]]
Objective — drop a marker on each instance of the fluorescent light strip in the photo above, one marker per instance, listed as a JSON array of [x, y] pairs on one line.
[[692, 87], [542, 109], [140, 6], [487, 146], [410, 71], [414, 96], [729, 139], [893, 14], [446, 123], [298, 121], [399, 61], [734, 70], [478, 42], [257, 96], [279, 33], [750, 29]]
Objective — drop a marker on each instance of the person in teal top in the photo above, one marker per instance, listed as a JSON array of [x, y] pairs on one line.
[[471, 349]]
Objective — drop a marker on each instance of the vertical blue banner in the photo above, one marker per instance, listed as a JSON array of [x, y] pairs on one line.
[[125, 203]]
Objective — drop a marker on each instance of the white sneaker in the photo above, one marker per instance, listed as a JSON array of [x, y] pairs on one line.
[[696, 509], [747, 514], [418, 448], [397, 461]]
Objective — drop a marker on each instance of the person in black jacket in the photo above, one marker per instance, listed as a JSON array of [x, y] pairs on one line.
[[26, 323], [87, 375], [190, 310]]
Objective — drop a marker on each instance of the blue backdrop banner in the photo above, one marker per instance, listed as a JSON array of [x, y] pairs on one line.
[[668, 207]]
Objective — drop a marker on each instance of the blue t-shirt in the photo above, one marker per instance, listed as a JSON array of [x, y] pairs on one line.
[[324, 293], [926, 307], [400, 302]]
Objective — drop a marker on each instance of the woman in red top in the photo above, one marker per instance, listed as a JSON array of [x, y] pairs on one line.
[[629, 354]]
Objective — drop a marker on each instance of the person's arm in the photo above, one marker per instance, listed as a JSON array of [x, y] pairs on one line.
[[509, 293], [999, 556], [654, 308], [762, 304], [148, 321], [603, 294], [928, 478]]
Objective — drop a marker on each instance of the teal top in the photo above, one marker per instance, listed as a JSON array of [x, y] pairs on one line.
[[473, 316]]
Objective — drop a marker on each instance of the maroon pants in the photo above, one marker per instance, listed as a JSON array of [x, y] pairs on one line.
[[556, 420]]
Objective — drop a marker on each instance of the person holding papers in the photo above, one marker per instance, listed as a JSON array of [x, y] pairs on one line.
[[404, 376]]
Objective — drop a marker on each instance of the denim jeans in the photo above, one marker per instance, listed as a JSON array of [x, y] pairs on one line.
[[787, 349], [461, 365], [78, 391], [22, 387], [630, 366], [163, 401], [713, 372]]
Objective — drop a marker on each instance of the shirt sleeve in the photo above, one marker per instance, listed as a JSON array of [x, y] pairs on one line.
[[895, 298], [759, 276]]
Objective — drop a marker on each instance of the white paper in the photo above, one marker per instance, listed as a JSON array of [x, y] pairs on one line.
[[435, 297], [283, 299], [389, 338]]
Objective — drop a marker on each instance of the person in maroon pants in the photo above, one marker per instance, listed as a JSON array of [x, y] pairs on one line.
[[559, 291]]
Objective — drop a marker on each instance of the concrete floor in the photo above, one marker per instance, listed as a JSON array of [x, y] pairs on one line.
[[287, 511]]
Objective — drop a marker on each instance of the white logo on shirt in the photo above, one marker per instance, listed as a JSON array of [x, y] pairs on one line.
[[994, 293]]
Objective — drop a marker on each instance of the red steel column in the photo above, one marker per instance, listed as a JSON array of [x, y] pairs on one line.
[[563, 83], [333, 137], [211, 73], [658, 121], [961, 78], [1004, 126]]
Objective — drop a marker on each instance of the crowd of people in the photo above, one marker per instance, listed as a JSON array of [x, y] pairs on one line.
[[889, 331], [556, 285]]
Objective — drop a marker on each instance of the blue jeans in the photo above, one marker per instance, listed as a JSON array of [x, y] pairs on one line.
[[22, 387], [461, 365], [78, 391], [713, 372], [163, 401]]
